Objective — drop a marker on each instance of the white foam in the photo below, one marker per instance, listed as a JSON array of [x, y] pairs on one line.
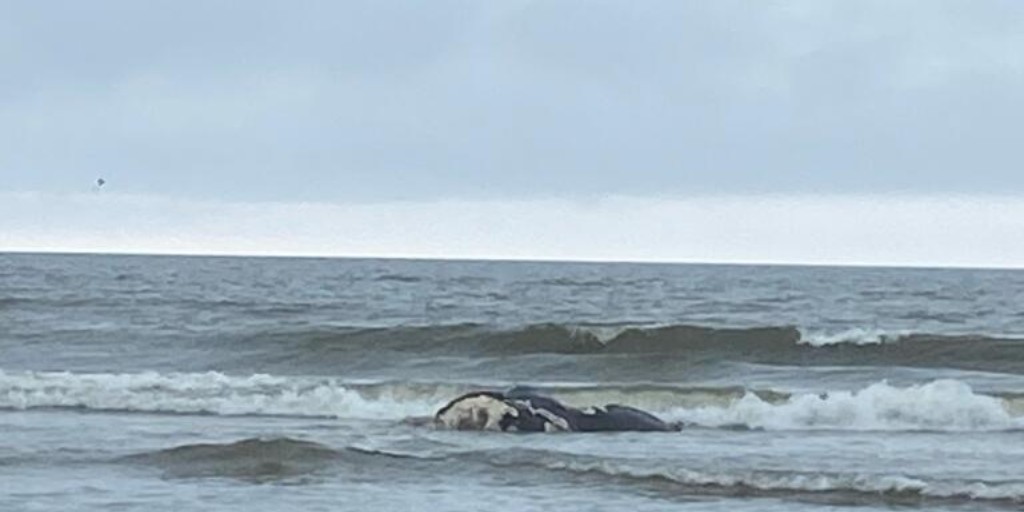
[[938, 405], [602, 333], [855, 336], [210, 392]]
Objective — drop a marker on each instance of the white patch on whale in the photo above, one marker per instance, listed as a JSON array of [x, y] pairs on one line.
[[480, 412]]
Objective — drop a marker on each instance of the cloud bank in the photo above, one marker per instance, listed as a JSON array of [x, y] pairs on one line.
[[983, 231], [365, 100]]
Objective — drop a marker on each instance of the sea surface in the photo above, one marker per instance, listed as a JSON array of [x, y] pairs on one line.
[[267, 384]]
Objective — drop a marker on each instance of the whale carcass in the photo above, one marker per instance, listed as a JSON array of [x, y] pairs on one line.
[[524, 410]]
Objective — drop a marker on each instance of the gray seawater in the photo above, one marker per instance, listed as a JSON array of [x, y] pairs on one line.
[[183, 383]]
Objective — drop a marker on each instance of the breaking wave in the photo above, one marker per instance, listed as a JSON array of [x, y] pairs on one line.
[[856, 336], [785, 345], [216, 393], [943, 405], [946, 405]]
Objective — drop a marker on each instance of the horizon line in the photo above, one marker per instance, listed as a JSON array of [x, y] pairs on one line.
[[504, 259]]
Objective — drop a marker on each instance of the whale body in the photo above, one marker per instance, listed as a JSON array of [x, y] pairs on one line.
[[525, 410]]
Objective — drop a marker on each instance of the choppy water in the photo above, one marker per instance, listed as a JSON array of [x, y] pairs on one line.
[[162, 383]]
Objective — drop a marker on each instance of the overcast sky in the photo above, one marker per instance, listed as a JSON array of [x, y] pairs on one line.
[[394, 102]]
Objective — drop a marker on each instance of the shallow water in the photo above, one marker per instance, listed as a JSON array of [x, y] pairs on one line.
[[157, 383]]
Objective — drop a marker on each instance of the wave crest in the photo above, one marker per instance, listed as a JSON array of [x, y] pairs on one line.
[[344, 347], [947, 405], [255, 458]]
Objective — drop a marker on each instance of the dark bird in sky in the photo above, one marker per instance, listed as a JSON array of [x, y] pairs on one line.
[[100, 182]]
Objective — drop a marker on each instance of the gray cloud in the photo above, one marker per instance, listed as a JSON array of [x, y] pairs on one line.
[[417, 100]]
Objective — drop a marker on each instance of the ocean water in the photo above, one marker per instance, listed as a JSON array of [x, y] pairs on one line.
[[265, 384]]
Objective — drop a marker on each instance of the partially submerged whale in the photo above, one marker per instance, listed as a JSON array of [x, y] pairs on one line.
[[525, 410]]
